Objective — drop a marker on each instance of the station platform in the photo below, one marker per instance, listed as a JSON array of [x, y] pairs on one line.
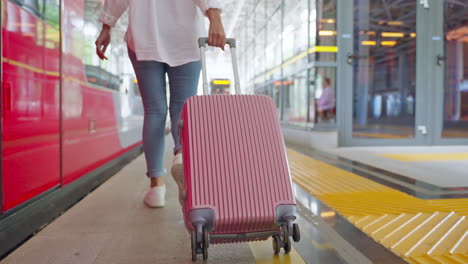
[[425, 164], [346, 214], [421, 166], [419, 224]]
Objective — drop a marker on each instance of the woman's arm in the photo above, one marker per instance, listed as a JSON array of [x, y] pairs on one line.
[[216, 35], [212, 9], [111, 12]]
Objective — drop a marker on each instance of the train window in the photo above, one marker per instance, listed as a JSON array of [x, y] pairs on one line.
[[98, 76], [51, 12], [108, 73], [48, 10], [33, 6]]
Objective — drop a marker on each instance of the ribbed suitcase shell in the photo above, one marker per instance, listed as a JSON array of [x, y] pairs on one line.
[[235, 161]]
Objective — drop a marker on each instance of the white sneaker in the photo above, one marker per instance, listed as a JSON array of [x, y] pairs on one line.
[[178, 170], [177, 159], [178, 174], [155, 196]]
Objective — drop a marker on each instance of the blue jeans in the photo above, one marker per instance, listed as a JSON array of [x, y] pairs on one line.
[[183, 83]]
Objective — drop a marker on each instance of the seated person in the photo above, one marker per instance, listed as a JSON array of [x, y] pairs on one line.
[[326, 102]]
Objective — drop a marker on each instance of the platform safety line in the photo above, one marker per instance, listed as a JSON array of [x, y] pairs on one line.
[[375, 221], [446, 234], [380, 135], [452, 251], [446, 259], [421, 157], [263, 254], [415, 229], [325, 176], [366, 204], [388, 223], [428, 234]]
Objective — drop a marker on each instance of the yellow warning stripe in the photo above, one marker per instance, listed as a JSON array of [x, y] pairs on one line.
[[86, 84], [420, 231], [316, 49], [455, 134], [29, 67], [382, 135], [413, 157], [52, 73], [463, 258], [263, 254]]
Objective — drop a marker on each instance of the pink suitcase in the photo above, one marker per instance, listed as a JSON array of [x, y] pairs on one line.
[[237, 181]]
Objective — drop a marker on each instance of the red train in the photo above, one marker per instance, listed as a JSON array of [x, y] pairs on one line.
[[69, 121]]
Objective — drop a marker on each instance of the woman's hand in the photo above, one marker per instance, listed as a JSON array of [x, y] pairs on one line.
[[216, 35], [103, 41]]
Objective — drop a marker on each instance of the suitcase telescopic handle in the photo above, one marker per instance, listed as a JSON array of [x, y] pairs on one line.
[[202, 42]]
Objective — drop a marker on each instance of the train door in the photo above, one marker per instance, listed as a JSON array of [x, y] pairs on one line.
[[404, 73], [30, 136], [383, 80], [2, 22], [449, 64]]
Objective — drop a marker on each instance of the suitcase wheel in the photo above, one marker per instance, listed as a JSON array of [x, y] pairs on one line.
[[194, 245], [206, 238], [290, 230], [205, 243], [296, 233], [276, 244], [205, 253], [200, 248], [287, 246]]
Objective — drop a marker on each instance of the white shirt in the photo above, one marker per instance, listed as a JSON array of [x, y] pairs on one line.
[[161, 30]]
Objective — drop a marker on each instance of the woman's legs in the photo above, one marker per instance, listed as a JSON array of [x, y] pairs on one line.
[[183, 83], [152, 85]]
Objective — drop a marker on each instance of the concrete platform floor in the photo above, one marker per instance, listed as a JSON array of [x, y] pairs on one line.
[[112, 225]]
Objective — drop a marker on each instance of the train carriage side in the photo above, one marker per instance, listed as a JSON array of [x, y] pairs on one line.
[[67, 118]]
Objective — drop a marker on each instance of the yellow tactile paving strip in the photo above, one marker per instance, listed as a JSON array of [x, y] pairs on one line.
[[420, 231], [263, 254], [415, 157]]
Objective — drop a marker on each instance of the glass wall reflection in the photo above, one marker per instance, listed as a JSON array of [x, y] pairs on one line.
[[295, 99], [456, 70], [322, 92], [323, 31], [384, 66], [278, 40]]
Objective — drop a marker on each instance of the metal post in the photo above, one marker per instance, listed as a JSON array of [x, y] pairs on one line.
[[203, 62], [236, 70]]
